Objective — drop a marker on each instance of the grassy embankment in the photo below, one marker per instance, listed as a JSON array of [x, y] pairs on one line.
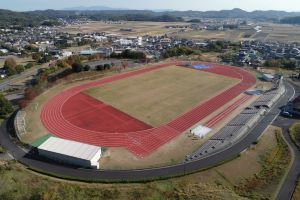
[[253, 175], [295, 135]]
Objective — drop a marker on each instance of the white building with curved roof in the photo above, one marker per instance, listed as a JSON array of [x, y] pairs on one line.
[[71, 152]]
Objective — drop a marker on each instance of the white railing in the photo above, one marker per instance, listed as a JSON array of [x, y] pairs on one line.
[[20, 123]]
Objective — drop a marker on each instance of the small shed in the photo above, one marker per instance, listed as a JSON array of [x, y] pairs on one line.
[[268, 77], [71, 152], [200, 131]]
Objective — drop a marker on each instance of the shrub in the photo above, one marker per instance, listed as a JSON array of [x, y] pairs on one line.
[[29, 65], [2, 150], [5, 106], [87, 68], [99, 67], [62, 64], [77, 67], [10, 66], [20, 69]]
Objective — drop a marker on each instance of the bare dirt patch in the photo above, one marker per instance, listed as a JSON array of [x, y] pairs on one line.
[[231, 35], [280, 32], [138, 28]]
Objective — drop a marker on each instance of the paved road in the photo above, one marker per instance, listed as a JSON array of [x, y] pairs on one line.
[[6, 84], [155, 173], [287, 189]]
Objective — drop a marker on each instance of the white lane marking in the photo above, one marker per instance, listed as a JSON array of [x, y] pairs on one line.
[[294, 92]]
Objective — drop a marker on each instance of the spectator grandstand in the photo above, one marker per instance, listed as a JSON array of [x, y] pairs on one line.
[[241, 124]]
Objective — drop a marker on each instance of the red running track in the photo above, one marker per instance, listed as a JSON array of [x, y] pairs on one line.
[[215, 120], [98, 116], [141, 143]]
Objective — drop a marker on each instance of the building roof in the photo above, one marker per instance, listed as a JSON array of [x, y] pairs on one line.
[[269, 76], [70, 148], [201, 131]]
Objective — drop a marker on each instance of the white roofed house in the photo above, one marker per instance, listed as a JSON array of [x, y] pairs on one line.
[[100, 38], [4, 51], [66, 54], [71, 152], [268, 77], [165, 41], [200, 131], [125, 42]]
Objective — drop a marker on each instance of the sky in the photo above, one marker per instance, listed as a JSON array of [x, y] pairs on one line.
[[202, 5]]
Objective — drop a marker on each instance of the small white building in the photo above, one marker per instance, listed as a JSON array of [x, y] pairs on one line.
[[4, 50], [100, 38], [66, 54], [125, 42], [200, 131], [268, 77], [165, 41], [71, 152]]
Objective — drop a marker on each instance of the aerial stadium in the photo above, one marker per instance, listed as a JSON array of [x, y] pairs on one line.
[[143, 113]]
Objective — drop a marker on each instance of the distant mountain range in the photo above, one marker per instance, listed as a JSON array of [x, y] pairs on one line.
[[234, 13], [101, 8], [237, 13], [94, 8], [97, 13]]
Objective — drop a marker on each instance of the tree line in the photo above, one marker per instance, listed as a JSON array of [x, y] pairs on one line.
[[282, 63], [178, 51], [291, 20], [50, 17], [137, 55]]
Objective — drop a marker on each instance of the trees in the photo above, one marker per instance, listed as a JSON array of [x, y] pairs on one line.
[[29, 94], [23, 103], [106, 66], [103, 67], [129, 54], [87, 68], [73, 59], [178, 51], [99, 67], [124, 64], [289, 64], [290, 20], [62, 64], [29, 65], [5, 106], [77, 67], [283, 63], [41, 57], [10, 71], [94, 57], [228, 57], [45, 58], [32, 48], [194, 21], [36, 56], [19, 69], [10, 66], [273, 63], [10, 62]]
